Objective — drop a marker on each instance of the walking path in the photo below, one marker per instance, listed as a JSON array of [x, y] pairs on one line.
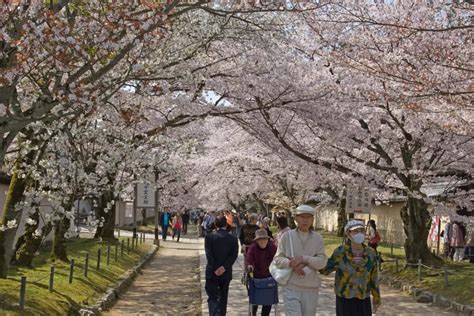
[[173, 284], [168, 285]]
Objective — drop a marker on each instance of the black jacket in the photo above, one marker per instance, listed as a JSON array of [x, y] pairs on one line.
[[221, 250], [185, 218]]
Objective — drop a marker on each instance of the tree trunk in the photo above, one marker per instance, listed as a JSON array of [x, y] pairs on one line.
[[26, 253], [416, 224], [341, 218], [105, 230], [28, 235], [59, 251], [7, 236], [144, 221]]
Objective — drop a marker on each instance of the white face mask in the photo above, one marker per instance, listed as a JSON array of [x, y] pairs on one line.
[[358, 238]]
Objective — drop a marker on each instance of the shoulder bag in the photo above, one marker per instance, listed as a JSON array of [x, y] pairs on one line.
[[282, 275]]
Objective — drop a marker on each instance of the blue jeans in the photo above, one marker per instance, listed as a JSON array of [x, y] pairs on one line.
[[164, 232], [469, 253], [217, 292]]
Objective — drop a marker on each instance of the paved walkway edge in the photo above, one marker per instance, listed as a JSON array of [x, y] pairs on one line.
[[429, 297], [202, 274], [113, 293]]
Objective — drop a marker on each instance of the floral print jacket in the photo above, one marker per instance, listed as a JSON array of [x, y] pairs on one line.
[[354, 279]]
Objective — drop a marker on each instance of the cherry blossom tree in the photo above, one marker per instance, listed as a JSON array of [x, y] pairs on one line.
[[65, 60], [358, 90], [230, 167], [398, 132]]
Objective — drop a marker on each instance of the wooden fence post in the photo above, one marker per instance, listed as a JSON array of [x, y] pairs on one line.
[[86, 265], [108, 254], [51, 278], [22, 292], [98, 258], [419, 269], [71, 271]]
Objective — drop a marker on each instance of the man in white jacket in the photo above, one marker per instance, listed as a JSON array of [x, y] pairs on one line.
[[300, 294]]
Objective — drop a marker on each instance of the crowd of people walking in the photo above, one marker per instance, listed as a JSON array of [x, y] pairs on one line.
[[176, 220], [294, 258]]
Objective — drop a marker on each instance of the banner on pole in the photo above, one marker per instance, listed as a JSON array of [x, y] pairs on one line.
[[358, 200]]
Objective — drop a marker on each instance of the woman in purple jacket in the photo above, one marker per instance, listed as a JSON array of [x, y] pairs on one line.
[[259, 256]]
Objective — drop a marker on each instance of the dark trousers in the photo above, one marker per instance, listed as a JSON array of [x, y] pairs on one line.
[[176, 232], [217, 292], [185, 228], [265, 310], [469, 253], [353, 307], [164, 232]]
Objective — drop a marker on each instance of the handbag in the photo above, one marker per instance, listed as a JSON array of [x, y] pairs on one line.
[[282, 275]]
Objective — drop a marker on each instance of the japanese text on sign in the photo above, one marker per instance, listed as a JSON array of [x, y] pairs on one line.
[[145, 195], [358, 200]]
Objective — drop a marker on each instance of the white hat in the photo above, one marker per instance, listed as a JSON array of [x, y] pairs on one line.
[[233, 211], [304, 209], [354, 224]]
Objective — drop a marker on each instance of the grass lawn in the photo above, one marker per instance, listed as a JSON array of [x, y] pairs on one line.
[[66, 298], [460, 280]]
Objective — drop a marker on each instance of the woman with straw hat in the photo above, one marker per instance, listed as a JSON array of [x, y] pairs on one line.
[[259, 256]]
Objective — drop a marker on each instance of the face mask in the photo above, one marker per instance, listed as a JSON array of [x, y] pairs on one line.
[[358, 238]]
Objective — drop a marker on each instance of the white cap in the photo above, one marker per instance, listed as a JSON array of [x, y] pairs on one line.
[[354, 224], [304, 209]]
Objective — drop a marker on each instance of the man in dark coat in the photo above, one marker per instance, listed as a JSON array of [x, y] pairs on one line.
[[185, 219], [221, 252]]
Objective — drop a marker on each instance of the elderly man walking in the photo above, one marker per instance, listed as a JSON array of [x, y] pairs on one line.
[[300, 294], [222, 250]]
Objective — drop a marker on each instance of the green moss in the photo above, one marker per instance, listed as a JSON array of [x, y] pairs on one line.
[[66, 298]]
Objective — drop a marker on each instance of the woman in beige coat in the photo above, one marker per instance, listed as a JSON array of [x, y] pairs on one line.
[[300, 294]]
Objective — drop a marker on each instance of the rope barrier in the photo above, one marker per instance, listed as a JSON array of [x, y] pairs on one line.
[[40, 279], [427, 267], [439, 272]]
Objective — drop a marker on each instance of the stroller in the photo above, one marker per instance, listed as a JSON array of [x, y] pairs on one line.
[[261, 291]]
